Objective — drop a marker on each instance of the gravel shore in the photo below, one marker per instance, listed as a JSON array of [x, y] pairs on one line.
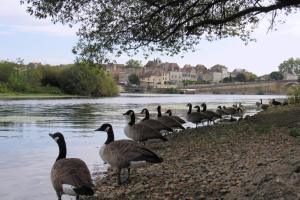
[[257, 158]]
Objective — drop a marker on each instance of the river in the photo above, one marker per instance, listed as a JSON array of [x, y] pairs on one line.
[[27, 152]]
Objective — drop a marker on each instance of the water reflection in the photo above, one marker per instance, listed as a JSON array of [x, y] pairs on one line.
[[27, 153]]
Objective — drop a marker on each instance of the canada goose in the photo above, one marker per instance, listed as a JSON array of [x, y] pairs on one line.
[[155, 124], [69, 175], [275, 103], [124, 153], [230, 110], [140, 132], [195, 117], [263, 106], [168, 121], [212, 115], [220, 111], [175, 117], [242, 107]]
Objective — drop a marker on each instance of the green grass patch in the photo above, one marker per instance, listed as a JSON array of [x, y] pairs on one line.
[[294, 132]]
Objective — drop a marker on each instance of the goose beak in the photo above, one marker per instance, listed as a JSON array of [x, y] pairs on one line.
[[51, 135], [124, 114], [98, 129]]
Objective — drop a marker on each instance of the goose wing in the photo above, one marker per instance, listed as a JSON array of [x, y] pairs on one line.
[[121, 153], [170, 122], [141, 132], [178, 119], [155, 124]]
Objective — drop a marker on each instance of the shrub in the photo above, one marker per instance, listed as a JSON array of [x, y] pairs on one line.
[[294, 94], [81, 79]]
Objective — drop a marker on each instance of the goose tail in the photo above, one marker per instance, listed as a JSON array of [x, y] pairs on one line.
[[84, 190]]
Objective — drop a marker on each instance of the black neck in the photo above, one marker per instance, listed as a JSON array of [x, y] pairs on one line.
[[190, 109], [198, 108], [204, 107], [261, 101], [170, 113], [147, 116], [110, 136], [158, 112], [132, 119], [62, 149]]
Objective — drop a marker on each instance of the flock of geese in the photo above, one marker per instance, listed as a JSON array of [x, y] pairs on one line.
[[71, 175]]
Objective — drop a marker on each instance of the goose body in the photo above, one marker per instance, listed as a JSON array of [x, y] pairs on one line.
[[275, 103], [168, 121], [124, 153], [180, 120], [155, 124], [195, 117], [211, 114], [69, 175], [140, 132], [263, 106]]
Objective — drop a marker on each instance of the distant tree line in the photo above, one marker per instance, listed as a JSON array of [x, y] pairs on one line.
[[75, 79]]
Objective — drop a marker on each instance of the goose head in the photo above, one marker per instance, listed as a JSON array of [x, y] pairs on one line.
[[159, 111], [169, 112], [105, 127], [190, 108], [198, 108], [158, 108], [109, 130], [203, 104], [219, 107], [57, 137], [130, 113], [145, 111]]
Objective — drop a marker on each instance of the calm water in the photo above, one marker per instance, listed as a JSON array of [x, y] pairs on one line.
[[27, 152]]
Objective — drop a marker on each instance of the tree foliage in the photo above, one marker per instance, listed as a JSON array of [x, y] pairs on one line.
[[109, 27], [133, 63], [276, 76], [134, 79], [78, 79], [291, 65]]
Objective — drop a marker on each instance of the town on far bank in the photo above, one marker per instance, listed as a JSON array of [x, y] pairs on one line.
[[158, 76]]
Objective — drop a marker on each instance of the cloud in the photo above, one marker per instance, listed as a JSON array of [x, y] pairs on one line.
[[14, 19]]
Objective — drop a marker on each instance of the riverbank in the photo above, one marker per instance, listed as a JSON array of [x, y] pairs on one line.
[[36, 96], [257, 158]]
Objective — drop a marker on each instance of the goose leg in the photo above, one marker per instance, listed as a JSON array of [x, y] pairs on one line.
[[77, 197], [58, 195], [119, 176], [128, 177]]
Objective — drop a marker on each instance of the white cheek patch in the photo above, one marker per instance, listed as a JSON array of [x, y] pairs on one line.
[[56, 138], [130, 114], [107, 129]]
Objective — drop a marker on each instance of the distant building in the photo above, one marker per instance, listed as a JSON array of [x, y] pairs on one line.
[[175, 77], [157, 79], [264, 77], [189, 73], [290, 75]]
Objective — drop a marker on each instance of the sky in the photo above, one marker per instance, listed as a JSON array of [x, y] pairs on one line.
[[23, 36]]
